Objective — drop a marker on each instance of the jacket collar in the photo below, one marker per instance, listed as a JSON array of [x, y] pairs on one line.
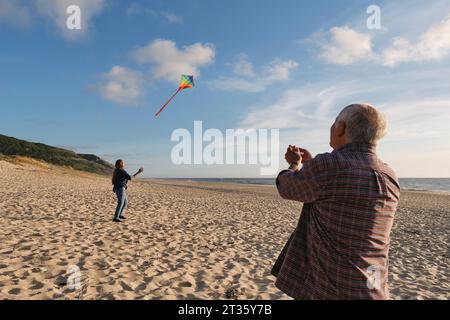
[[358, 147]]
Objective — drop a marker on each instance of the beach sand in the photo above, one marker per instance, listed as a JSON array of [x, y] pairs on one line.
[[182, 240]]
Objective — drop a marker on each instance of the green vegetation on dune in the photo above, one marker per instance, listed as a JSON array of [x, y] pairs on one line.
[[84, 162]]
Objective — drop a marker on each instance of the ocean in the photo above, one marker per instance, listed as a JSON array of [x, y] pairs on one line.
[[419, 184]]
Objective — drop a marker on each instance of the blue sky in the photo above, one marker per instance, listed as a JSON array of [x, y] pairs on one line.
[[291, 65]]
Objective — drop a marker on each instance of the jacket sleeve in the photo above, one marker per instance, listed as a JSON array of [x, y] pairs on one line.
[[126, 175], [302, 186]]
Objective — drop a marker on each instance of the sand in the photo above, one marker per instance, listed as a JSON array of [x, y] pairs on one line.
[[182, 240]]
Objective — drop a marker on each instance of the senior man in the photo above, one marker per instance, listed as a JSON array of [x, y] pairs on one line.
[[339, 249]]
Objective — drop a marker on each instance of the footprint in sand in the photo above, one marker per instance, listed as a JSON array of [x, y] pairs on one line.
[[37, 285], [125, 286], [14, 291], [185, 284], [141, 287], [99, 243]]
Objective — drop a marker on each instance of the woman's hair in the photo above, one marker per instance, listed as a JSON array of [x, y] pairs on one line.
[[118, 165]]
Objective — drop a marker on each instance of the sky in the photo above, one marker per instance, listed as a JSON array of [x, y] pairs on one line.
[[290, 65]]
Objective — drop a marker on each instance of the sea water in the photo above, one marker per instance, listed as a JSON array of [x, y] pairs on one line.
[[420, 184]]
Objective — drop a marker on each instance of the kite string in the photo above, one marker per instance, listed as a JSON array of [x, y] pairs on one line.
[[165, 105]]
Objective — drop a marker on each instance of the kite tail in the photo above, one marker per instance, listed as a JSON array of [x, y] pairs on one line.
[[165, 105]]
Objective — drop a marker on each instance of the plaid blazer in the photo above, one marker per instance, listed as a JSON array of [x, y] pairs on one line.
[[339, 249]]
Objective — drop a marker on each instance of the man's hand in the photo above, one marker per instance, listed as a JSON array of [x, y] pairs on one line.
[[296, 156], [306, 155], [293, 155]]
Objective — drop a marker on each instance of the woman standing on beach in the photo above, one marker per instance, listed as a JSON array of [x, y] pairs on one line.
[[119, 180]]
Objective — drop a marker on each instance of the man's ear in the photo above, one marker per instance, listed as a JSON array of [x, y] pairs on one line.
[[340, 128]]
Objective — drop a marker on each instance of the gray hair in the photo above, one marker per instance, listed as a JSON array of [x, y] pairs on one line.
[[364, 123]]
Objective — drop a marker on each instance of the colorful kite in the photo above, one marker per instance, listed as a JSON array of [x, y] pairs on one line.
[[186, 82]]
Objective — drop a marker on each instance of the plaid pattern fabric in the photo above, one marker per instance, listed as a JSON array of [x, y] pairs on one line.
[[339, 249]]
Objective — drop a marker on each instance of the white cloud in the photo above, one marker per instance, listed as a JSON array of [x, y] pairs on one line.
[[279, 70], [55, 11], [122, 86], [15, 14], [170, 62], [172, 18], [433, 45], [308, 106], [248, 80], [408, 18], [137, 9], [419, 118], [344, 46], [237, 84], [415, 102], [400, 50], [243, 67], [132, 10]]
